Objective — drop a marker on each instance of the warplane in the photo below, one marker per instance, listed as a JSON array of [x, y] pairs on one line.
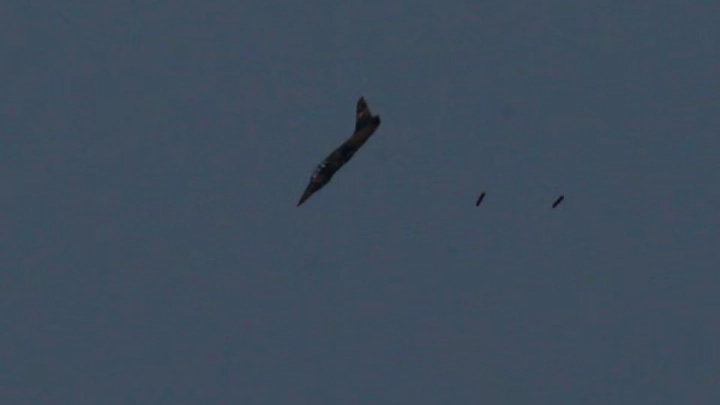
[[365, 126], [479, 200]]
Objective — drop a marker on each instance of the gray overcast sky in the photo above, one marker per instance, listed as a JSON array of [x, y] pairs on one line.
[[153, 153]]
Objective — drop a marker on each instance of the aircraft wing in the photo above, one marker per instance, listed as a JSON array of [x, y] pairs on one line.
[[363, 116]]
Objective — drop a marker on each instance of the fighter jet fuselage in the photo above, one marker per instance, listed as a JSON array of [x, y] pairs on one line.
[[365, 126]]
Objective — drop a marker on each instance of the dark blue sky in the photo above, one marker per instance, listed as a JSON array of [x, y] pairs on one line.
[[153, 153]]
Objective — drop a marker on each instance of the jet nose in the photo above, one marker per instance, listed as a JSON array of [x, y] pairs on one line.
[[304, 197]]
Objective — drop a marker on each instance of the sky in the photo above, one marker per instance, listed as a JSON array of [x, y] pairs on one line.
[[153, 153]]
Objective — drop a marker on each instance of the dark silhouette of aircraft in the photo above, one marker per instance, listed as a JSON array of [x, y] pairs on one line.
[[365, 126], [479, 200], [558, 201]]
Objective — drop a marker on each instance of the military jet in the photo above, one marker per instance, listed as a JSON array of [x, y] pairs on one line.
[[365, 126], [479, 200]]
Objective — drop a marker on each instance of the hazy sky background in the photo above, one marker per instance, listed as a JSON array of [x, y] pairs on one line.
[[153, 153]]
